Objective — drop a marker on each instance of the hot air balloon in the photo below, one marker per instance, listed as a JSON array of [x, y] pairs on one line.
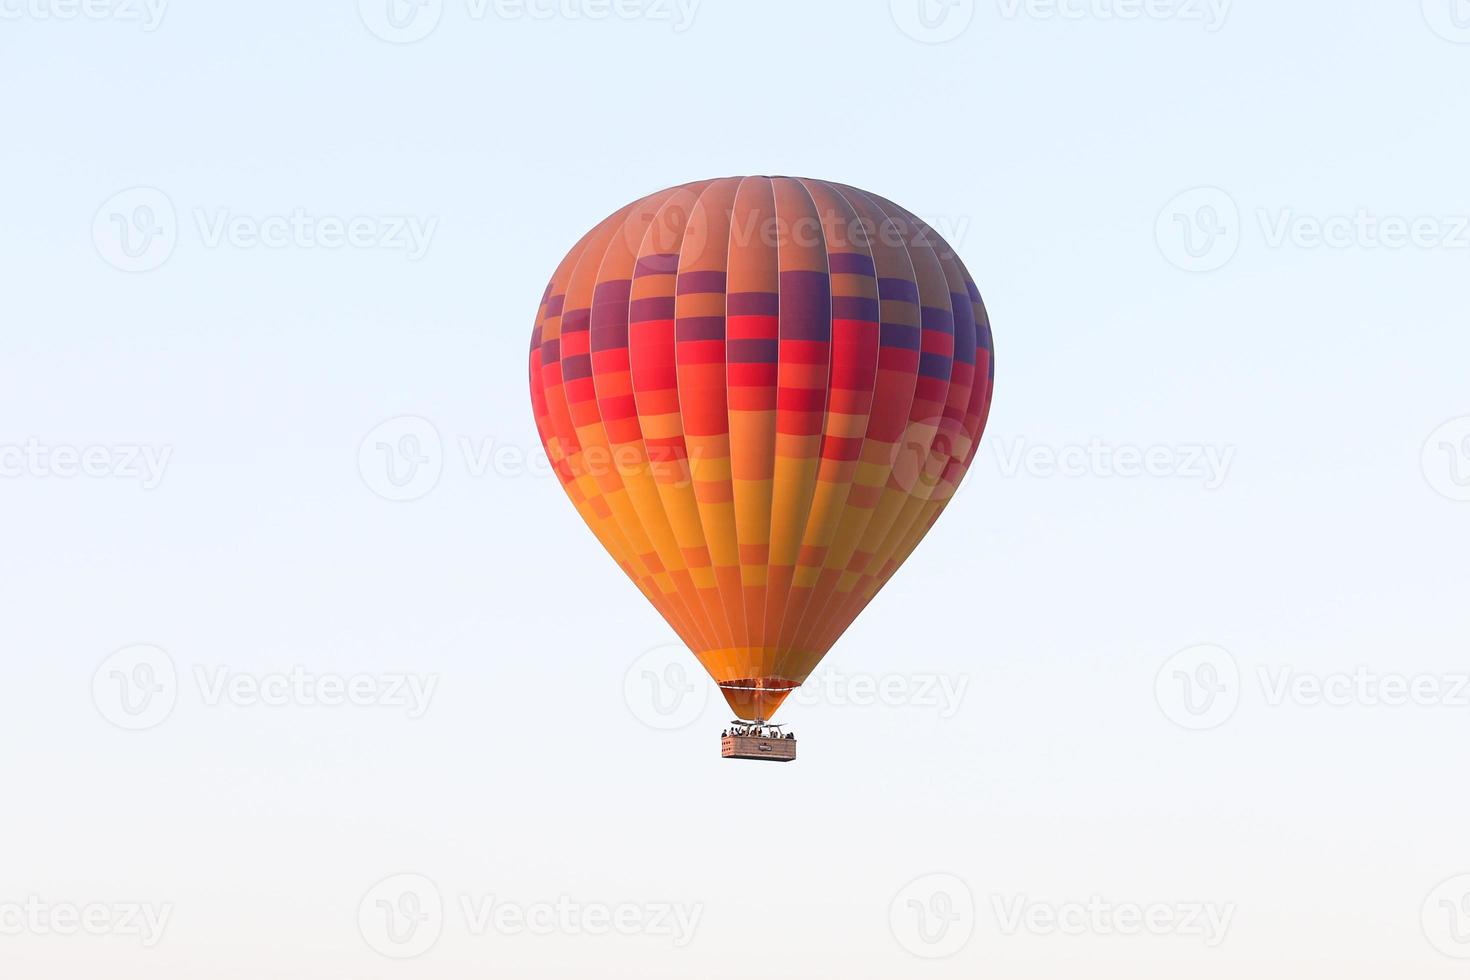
[[760, 393]]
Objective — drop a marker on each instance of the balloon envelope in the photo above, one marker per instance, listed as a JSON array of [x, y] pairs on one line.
[[760, 393]]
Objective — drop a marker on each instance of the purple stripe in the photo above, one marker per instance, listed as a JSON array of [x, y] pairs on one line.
[[751, 351], [651, 308], [850, 263], [806, 305], [606, 315], [901, 335], [699, 328], [905, 290], [934, 318], [752, 304], [550, 352], [555, 304], [536, 337], [610, 336], [935, 366], [700, 282], [612, 291], [854, 308], [577, 366], [576, 320], [964, 329], [973, 290]]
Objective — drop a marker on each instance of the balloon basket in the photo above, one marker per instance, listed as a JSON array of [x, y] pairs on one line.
[[747, 740]]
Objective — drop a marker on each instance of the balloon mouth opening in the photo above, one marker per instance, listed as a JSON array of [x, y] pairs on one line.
[[756, 698]]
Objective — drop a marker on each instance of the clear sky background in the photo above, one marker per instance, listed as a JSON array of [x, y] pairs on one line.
[[269, 274]]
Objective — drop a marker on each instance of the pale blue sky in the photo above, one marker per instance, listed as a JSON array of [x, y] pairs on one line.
[[230, 393]]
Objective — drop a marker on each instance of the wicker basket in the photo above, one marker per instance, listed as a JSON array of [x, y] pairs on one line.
[[751, 747]]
